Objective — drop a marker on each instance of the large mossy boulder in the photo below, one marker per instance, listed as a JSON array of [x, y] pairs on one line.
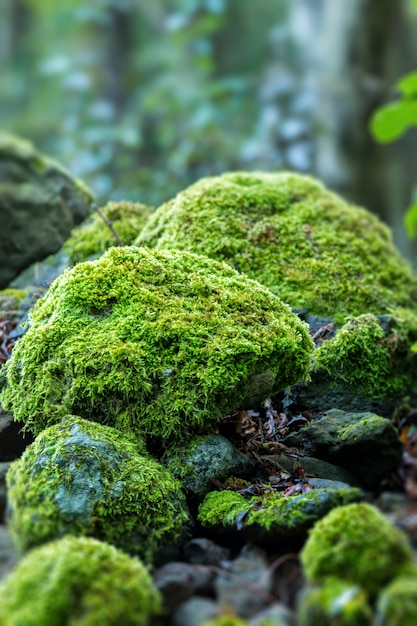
[[311, 248], [40, 203], [82, 478], [78, 581], [156, 342], [93, 237]]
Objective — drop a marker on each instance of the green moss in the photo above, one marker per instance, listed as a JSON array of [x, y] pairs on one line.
[[293, 235], [82, 478], [163, 343], [358, 544], [271, 515], [397, 603], [363, 355], [94, 237], [226, 620], [78, 582], [16, 295], [335, 603]]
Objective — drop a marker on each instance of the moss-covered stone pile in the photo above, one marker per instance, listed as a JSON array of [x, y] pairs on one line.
[[159, 343]]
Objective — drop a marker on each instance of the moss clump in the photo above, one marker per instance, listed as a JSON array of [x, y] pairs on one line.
[[227, 620], [288, 231], [371, 359], [79, 582], [92, 238], [397, 603], [163, 343], [335, 603], [272, 515], [82, 478], [356, 543]]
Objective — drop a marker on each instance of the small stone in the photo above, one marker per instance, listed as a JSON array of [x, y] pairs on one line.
[[276, 615], [206, 552], [177, 581], [196, 611]]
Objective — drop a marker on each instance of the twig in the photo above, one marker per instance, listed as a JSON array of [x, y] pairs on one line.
[[108, 223]]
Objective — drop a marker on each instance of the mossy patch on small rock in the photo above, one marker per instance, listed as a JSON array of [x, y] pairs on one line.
[[82, 478], [365, 444], [397, 603], [156, 342], [293, 235], [335, 603], [272, 516], [356, 543], [93, 237], [369, 365], [78, 581], [205, 457]]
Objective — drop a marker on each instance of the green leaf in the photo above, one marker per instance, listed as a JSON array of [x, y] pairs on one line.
[[391, 121], [407, 84], [410, 220]]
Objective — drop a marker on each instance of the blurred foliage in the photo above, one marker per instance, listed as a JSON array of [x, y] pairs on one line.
[[392, 120], [139, 99]]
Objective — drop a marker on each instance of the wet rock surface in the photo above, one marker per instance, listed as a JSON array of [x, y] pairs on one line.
[[39, 205]]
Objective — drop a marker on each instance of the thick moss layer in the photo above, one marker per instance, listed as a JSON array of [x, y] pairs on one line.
[[82, 478], [92, 238], [293, 235], [163, 343], [271, 516], [78, 582], [372, 356], [358, 544]]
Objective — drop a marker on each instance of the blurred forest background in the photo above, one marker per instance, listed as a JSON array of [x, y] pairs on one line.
[[140, 98]]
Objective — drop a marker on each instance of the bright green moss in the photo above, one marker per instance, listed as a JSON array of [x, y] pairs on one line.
[[227, 620], [366, 357], [94, 237], [161, 343], [293, 235], [356, 543], [397, 603], [271, 515], [335, 603], [78, 582], [82, 478]]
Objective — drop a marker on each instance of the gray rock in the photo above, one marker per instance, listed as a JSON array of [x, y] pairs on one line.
[[205, 551], [203, 458], [365, 444], [39, 205], [177, 581], [196, 611], [322, 469], [8, 554], [277, 614], [246, 587]]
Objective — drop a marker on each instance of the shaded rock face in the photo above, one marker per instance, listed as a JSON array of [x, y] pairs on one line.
[[39, 205]]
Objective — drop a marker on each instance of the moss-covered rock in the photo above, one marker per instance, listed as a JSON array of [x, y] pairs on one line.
[[82, 478], [365, 444], [370, 364], [78, 581], [397, 603], [293, 235], [205, 457], [227, 620], [40, 203], [335, 603], [92, 238], [272, 516], [161, 343], [356, 543]]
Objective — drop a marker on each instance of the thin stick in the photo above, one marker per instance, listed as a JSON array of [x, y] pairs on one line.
[[108, 223]]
